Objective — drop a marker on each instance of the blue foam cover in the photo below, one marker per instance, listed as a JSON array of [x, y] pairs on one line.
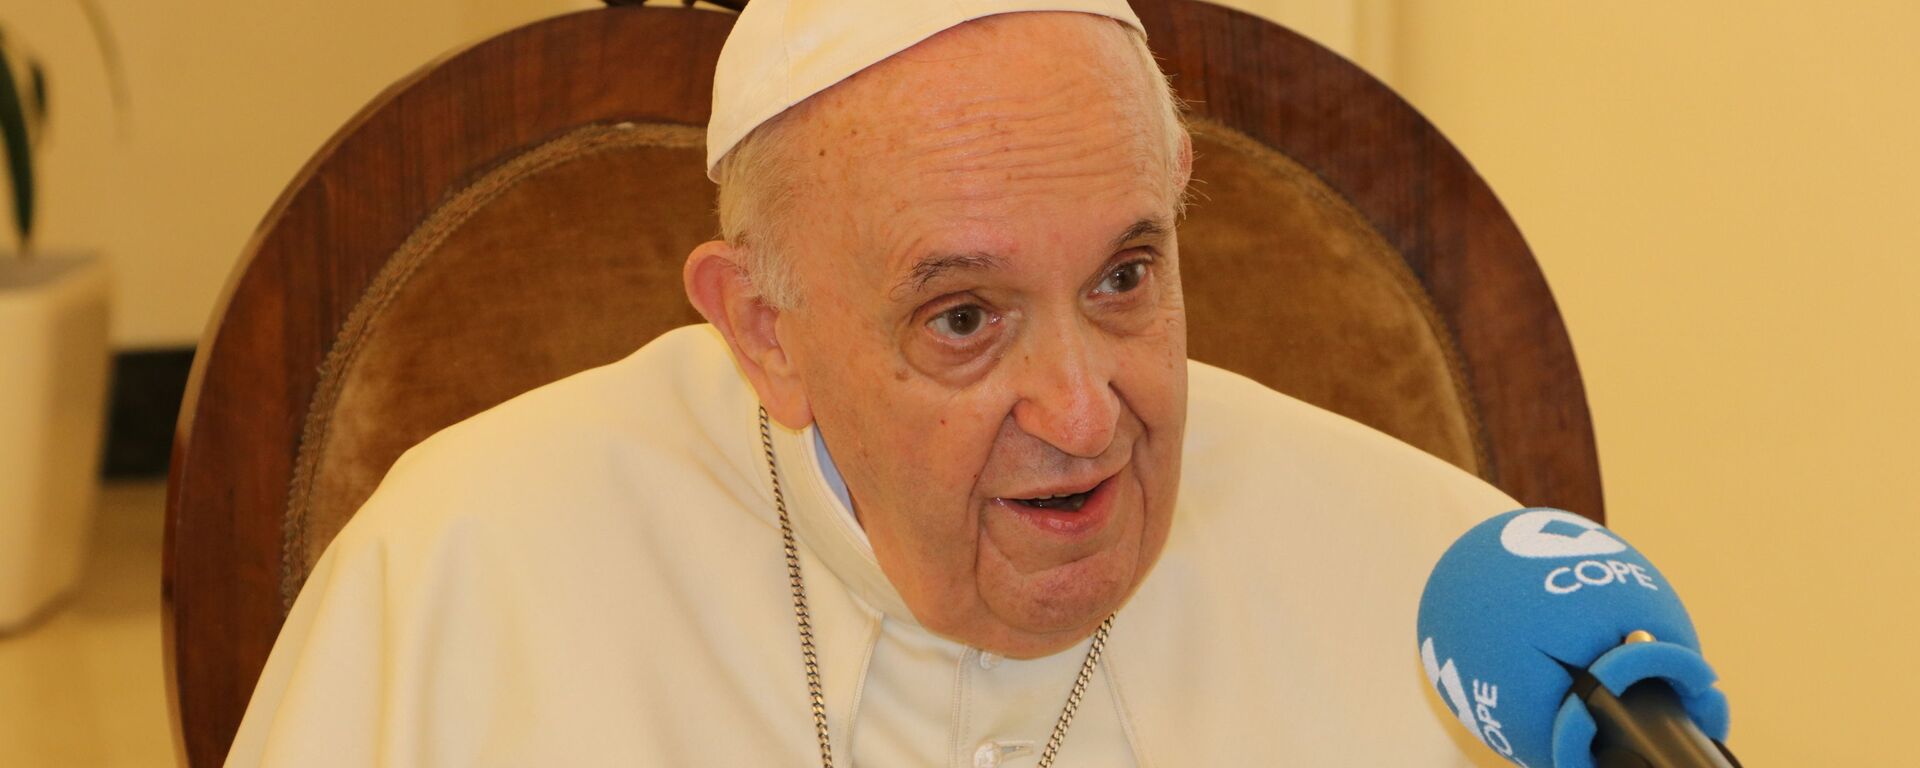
[[1526, 595]]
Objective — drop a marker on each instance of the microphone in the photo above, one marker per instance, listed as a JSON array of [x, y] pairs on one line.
[[1555, 643]]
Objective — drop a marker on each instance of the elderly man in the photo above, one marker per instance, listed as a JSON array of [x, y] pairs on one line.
[[936, 487]]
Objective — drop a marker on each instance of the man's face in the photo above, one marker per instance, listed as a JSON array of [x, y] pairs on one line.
[[991, 339]]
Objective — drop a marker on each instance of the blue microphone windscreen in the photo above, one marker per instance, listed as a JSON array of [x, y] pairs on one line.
[[1526, 596]]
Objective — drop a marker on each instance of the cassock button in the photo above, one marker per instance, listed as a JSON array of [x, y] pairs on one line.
[[991, 754], [989, 660]]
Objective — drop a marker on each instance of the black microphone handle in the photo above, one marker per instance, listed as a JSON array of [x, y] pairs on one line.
[[1646, 727]]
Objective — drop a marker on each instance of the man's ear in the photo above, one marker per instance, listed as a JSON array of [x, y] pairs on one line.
[[719, 288]]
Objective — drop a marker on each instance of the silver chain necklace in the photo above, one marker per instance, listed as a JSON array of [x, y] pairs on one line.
[[804, 621]]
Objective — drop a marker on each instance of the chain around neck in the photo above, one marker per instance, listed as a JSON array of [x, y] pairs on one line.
[[810, 658]]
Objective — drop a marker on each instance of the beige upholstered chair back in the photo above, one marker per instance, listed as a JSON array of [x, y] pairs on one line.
[[519, 212]]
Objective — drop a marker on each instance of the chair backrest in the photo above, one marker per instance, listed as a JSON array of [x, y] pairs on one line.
[[519, 211]]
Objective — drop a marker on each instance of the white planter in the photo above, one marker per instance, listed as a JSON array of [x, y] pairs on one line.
[[53, 394]]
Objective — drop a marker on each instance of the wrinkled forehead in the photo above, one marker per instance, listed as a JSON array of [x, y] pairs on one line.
[[985, 67], [1016, 54], [964, 112]]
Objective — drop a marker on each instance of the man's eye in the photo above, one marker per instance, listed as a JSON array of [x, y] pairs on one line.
[[959, 322], [1123, 278]]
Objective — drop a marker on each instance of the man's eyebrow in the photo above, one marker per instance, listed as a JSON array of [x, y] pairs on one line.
[[1140, 229], [931, 267], [934, 266]]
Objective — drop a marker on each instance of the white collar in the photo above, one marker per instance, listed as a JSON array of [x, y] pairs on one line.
[[831, 474], [824, 522]]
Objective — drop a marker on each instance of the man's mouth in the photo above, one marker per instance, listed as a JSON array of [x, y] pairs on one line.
[[1059, 502], [1068, 503], [1064, 509]]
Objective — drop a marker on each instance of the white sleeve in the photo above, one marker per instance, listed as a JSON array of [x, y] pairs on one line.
[[321, 700]]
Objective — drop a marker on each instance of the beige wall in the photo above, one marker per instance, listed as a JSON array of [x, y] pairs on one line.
[[1721, 194], [1358, 29], [228, 99]]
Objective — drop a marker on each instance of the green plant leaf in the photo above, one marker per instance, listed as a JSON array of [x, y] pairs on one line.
[[37, 108], [14, 131]]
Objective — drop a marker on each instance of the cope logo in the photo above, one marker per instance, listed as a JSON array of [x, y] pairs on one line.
[[1479, 714], [1552, 533]]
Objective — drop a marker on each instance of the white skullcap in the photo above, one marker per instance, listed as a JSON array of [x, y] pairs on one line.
[[782, 51]]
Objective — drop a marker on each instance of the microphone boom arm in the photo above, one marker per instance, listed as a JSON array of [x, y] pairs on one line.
[[1646, 727]]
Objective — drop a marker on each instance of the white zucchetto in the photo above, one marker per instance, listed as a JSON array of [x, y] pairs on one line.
[[782, 51]]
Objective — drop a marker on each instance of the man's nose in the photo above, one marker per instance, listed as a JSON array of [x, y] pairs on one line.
[[1066, 391]]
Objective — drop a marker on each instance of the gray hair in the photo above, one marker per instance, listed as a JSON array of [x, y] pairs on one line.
[[756, 189]]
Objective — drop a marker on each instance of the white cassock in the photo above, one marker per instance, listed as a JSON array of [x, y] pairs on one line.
[[591, 574]]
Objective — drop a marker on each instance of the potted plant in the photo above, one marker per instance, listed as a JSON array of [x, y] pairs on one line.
[[53, 371]]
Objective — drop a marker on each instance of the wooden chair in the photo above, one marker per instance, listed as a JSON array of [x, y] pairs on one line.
[[519, 211]]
